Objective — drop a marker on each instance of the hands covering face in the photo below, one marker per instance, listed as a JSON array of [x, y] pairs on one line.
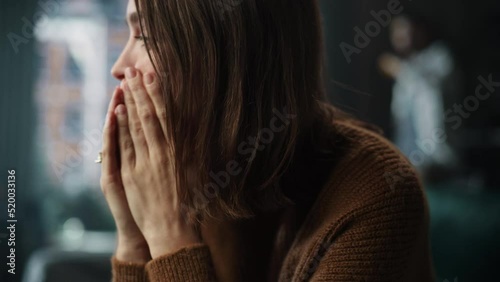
[[141, 189]]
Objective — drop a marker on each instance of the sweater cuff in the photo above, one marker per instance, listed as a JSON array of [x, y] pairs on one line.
[[128, 271], [188, 264]]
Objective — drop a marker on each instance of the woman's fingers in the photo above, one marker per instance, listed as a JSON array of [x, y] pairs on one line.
[[146, 113], [153, 89], [135, 126], [109, 165], [127, 150], [111, 184]]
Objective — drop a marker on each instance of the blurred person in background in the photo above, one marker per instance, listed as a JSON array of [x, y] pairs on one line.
[[223, 161], [426, 77]]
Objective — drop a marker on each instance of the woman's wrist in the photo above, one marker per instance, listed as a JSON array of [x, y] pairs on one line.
[[160, 246], [130, 251]]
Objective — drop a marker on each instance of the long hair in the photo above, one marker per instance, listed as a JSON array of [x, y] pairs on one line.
[[243, 83]]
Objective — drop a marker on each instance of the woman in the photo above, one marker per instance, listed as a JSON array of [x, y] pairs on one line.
[[223, 161]]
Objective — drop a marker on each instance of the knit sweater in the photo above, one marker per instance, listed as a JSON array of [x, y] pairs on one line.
[[367, 220]]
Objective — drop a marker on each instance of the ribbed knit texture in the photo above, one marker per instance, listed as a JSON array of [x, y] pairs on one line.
[[128, 271], [190, 264], [369, 223]]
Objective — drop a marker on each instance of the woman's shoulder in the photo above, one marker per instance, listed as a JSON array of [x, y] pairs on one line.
[[369, 170], [369, 159], [371, 212]]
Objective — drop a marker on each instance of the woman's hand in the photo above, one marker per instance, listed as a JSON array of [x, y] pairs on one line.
[[132, 245], [147, 166]]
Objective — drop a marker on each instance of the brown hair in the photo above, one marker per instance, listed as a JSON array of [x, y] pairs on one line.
[[230, 70]]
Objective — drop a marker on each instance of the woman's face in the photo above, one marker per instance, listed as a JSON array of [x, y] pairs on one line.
[[134, 54]]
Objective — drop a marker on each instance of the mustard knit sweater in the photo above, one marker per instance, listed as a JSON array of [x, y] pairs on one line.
[[367, 221]]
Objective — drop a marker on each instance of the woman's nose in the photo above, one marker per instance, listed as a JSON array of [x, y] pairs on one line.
[[118, 70], [125, 60]]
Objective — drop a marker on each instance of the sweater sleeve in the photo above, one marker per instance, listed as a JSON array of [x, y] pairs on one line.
[[127, 271], [379, 242], [189, 264]]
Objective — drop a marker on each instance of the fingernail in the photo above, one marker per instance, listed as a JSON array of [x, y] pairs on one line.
[[130, 73], [148, 79], [120, 109]]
